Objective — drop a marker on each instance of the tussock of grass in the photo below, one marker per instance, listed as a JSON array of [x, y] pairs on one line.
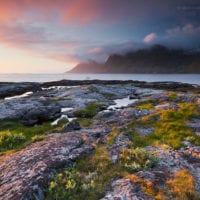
[[135, 159], [182, 186], [9, 140], [148, 187]]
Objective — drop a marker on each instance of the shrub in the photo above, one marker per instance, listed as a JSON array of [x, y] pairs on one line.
[[9, 140], [69, 184], [136, 159]]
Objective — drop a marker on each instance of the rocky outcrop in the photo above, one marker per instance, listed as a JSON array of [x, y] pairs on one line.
[[12, 89], [72, 126], [125, 189], [29, 110], [23, 174]]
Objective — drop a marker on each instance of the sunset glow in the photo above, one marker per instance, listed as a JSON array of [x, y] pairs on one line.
[[53, 36]]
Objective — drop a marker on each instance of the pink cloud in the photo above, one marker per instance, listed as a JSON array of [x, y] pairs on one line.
[[150, 37], [77, 11]]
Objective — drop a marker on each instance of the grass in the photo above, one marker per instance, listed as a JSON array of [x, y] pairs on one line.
[[92, 175], [182, 186], [84, 122], [14, 135], [169, 127], [149, 105], [90, 111]]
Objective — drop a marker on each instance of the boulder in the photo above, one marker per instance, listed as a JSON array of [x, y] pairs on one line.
[[72, 126]]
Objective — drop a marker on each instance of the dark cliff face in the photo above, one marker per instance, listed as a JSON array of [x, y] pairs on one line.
[[157, 59]]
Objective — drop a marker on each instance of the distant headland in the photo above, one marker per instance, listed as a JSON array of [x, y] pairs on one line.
[[156, 59]]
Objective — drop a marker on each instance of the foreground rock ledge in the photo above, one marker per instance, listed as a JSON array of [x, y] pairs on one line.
[[23, 174]]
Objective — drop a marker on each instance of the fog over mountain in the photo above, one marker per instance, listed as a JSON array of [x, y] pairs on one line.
[[156, 59]]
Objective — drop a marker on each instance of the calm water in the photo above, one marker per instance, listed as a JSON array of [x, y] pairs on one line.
[[184, 78]]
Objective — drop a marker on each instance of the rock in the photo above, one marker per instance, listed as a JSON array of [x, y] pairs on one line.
[[121, 142], [13, 89], [194, 125], [71, 126], [162, 106], [40, 115], [24, 174], [173, 161], [144, 131], [29, 110], [134, 96], [124, 189]]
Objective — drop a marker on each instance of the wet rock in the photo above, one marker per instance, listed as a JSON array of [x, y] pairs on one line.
[[40, 115], [71, 126], [12, 89], [29, 110], [134, 96]]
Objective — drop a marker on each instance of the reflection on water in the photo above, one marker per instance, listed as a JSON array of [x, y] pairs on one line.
[[19, 96], [121, 103]]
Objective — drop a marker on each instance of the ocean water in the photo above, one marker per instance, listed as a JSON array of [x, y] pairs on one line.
[[184, 78]]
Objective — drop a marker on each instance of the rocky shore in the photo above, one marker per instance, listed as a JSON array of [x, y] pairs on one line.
[[134, 140]]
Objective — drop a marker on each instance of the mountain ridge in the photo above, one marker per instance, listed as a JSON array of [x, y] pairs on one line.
[[156, 59]]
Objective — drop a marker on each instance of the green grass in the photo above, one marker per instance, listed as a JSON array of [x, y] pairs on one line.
[[92, 175], [170, 127], [84, 122], [14, 135], [90, 111], [149, 105]]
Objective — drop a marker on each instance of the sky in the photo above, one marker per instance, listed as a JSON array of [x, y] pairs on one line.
[[52, 36]]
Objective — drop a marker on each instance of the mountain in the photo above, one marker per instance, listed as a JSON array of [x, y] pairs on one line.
[[156, 59]]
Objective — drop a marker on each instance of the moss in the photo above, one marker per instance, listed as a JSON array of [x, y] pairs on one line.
[[90, 111], [84, 122]]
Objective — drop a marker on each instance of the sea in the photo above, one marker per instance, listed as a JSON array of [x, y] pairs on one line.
[[184, 78]]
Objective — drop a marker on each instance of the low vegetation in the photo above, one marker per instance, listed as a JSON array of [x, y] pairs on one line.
[[93, 174], [90, 111], [182, 186], [14, 135], [169, 127]]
